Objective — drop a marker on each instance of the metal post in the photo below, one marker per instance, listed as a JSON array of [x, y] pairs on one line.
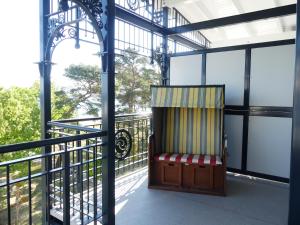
[[108, 112], [176, 24], [77, 44], [294, 204], [246, 105], [164, 65], [152, 34], [203, 72], [45, 103]]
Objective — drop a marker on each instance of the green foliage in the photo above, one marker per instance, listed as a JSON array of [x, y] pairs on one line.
[[133, 80], [62, 106], [19, 115], [20, 110], [85, 93]]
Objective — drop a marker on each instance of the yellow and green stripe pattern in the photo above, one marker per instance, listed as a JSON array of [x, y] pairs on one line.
[[192, 131], [188, 97]]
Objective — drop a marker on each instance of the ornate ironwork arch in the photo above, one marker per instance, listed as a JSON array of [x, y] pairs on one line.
[[60, 30]]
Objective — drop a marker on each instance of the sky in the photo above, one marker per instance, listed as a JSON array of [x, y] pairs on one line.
[[19, 47]]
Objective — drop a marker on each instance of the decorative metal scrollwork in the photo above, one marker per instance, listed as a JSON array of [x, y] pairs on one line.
[[61, 24], [159, 57], [123, 144], [157, 16], [135, 5], [95, 8], [63, 34]]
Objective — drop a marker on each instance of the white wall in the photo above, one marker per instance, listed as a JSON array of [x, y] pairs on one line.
[[271, 84], [269, 145], [272, 76], [186, 70], [228, 68]]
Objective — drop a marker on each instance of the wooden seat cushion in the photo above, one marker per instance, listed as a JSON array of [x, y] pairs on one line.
[[213, 160]]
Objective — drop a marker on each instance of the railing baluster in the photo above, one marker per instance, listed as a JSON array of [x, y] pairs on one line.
[[95, 181], [66, 186], [133, 146], [60, 182], [143, 137], [118, 162], [88, 177], [81, 186], [8, 195], [73, 180], [138, 145], [29, 192], [48, 190], [136, 142], [148, 130], [54, 181]]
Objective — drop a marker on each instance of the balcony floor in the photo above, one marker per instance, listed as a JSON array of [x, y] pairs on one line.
[[250, 201]]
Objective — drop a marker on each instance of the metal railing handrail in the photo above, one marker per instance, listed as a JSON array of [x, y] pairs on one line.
[[45, 155], [48, 142], [99, 118], [207, 42], [71, 126]]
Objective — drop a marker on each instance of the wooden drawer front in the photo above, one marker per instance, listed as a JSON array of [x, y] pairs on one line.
[[156, 173], [203, 177], [195, 176], [171, 173], [188, 179], [219, 175]]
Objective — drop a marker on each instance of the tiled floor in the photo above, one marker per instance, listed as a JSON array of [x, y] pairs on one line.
[[249, 202]]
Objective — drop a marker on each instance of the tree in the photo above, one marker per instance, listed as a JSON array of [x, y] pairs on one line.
[[20, 115], [133, 80], [85, 93]]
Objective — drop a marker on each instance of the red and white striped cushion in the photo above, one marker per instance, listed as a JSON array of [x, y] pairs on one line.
[[190, 159]]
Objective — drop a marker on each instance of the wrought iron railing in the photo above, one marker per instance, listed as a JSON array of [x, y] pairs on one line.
[[46, 179], [138, 125], [175, 19], [60, 178]]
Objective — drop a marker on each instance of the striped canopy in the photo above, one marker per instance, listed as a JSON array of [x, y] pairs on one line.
[[191, 131], [188, 96]]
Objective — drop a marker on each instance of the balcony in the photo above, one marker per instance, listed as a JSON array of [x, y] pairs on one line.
[[65, 183], [73, 174]]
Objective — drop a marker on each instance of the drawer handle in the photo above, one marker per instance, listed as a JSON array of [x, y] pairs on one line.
[[201, 166], [171, 164]]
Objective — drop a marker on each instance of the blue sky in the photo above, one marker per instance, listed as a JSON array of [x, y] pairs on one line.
[[19, 47]]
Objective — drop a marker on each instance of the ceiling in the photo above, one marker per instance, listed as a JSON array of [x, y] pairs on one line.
[[259, 31]]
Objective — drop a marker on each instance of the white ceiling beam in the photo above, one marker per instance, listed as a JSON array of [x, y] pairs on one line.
[[174, 3], [241, 10]]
